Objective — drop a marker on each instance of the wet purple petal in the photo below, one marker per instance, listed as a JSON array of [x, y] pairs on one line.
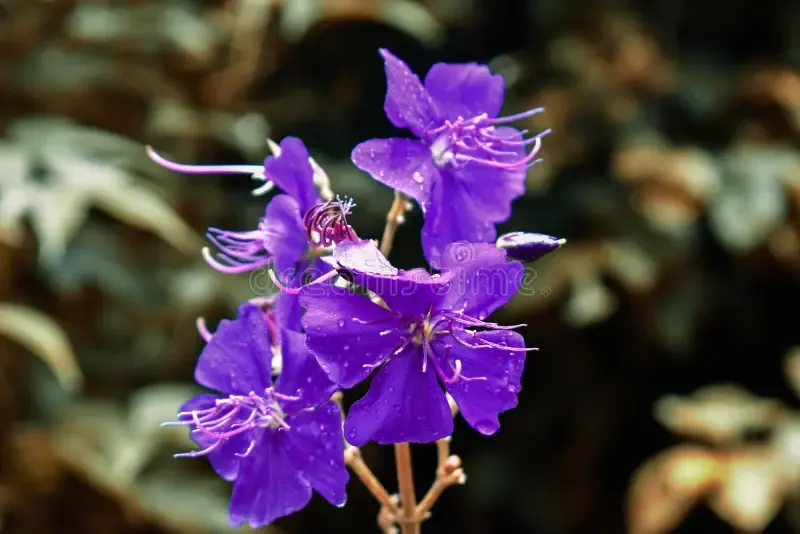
[[285, 235], [403, 404], [237, 359], [408, 104], [480, 401], [292, 172], [301, 374], [405, 165], [483, 279], [348, 333], [268, 486], [315, 447], [453, 216], [465, 89]]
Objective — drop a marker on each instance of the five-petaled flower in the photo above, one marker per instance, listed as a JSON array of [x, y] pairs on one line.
[[287, 236], [427, 329], [275, 442], [467, 166]]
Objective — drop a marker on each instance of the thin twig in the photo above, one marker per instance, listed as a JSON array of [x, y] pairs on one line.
[[394, 218], [352, 457], [448, 473], [405, 480]]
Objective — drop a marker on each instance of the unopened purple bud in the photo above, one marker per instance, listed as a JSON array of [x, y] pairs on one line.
[[528, 246]]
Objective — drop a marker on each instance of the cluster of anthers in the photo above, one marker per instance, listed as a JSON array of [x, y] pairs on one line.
[[326, 223]]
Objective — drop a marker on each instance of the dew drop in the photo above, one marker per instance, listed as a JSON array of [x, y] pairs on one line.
[[341, 323], [346, 347], [386, 332], [417, 177]]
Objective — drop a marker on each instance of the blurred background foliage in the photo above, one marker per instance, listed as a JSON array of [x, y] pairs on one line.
[[662, 398]]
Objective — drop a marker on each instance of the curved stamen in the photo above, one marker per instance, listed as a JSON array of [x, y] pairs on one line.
[[234, 267], [202, 329], [475, 140], [223, 421], [296, 290], [326, 223], [257, 171]]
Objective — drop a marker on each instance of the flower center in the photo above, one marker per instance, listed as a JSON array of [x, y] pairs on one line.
[[477, 140], [234, 415], [326, 223]]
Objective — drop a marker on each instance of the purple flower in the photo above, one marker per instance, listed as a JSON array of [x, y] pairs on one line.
[[274, 442], [526, 246], [428, 330], [286, 236], [467, 166]]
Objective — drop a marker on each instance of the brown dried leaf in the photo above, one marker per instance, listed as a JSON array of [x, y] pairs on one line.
[[752, 490], [665, 488], [719, 413]]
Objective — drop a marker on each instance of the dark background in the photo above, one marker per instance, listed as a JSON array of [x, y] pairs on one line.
[[672, 171]]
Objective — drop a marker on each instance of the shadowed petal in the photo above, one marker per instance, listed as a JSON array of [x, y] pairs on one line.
[[465, 90], [407, 104], [223, 459], [268, 486], [402, 164], [480, 401], [403, 404], [292, 172], [315, 447], [482, 278], [301, 374], [453, 216], [285, 235], [238, 357], [347, 332]]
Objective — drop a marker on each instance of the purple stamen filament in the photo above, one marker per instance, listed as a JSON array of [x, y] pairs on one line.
[[223, 421], [240, 252], [475, 140]]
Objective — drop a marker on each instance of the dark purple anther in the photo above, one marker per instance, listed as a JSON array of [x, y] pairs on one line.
[[326, 223], [528, 246]]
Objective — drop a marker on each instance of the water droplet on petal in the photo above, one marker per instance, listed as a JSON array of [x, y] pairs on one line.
[[417, 177], [341, 323]]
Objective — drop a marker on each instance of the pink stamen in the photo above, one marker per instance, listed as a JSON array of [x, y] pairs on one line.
[[202, 329], [254, 170]]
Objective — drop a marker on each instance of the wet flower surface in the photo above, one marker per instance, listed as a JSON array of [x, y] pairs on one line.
[[275, 442], [466, 165], [431, 332]]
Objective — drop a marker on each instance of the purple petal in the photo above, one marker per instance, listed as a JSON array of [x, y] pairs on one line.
[[223, 459], [527, 246], [482, 278], [480, 401], [453, 216], [238, 357], [402, 164], [407, 104], [285, 235], [493, 190], [315, 447], [301, 374], [403, 404], [268, 486], [347, 332], [292, 172], [465, 89]]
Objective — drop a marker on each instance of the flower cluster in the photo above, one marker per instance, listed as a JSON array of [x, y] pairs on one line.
[[424, 335]]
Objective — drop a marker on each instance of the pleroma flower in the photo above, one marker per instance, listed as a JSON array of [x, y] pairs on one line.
[[467, 165], [426, 331], [275, 441]]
